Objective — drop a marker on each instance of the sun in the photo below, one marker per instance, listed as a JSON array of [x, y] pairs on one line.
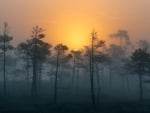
[[75, 32], [77, 37]]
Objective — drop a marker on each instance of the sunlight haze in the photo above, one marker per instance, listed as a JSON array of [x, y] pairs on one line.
[[71, 21]]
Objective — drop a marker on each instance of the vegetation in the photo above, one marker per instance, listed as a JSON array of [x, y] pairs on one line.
[[5, 46], [51, 73]]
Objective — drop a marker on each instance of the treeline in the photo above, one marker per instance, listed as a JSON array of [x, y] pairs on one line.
[[30, 57]]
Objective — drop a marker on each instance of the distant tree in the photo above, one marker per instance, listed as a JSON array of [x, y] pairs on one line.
[[116, 54], [139, 64], [144, 44], [37, 51], [60, 51], [109, 62], [23, 52], [5, 46], [63, 69], [123, 36], [77, 56]]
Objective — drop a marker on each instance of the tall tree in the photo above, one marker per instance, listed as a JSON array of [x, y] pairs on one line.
[[60, 51], [43, 51], [95, 55], [5, 46], [93, 37], [37, 50], [139, 64], [100, 57]]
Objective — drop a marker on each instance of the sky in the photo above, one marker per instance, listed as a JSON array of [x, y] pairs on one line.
[[71, 21]]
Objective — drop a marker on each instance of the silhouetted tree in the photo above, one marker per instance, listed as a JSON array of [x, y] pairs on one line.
[[95, 55], [37, 51], [5, 46], [139, 64], [93, 37], [43, 51], [100, 57], [60, 51]]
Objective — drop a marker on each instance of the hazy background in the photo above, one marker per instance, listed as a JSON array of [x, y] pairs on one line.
[[65, 20]]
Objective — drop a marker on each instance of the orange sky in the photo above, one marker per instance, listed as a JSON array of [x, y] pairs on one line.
[[71, 21]]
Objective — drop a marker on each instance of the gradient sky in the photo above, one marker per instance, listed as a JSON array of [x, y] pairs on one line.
[[71, 21]]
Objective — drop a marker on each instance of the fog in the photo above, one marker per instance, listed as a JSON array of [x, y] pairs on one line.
[[37, 76], [69, 56]]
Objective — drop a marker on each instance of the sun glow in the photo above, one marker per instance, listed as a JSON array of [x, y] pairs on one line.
[[77, 37], [72, 30]]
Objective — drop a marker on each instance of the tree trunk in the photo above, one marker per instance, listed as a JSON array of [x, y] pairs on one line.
[[34, 79], [40, 77], [98, 83], [127, 81], [92, 76], [110, 76], [27, 69], [4, 69], [140, 80], [92, 92], [77, 81], [73, 72], [141, 88], [56, 77]]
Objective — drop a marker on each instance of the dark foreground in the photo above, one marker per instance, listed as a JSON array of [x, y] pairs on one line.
[[19, 100], [30, 106]]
